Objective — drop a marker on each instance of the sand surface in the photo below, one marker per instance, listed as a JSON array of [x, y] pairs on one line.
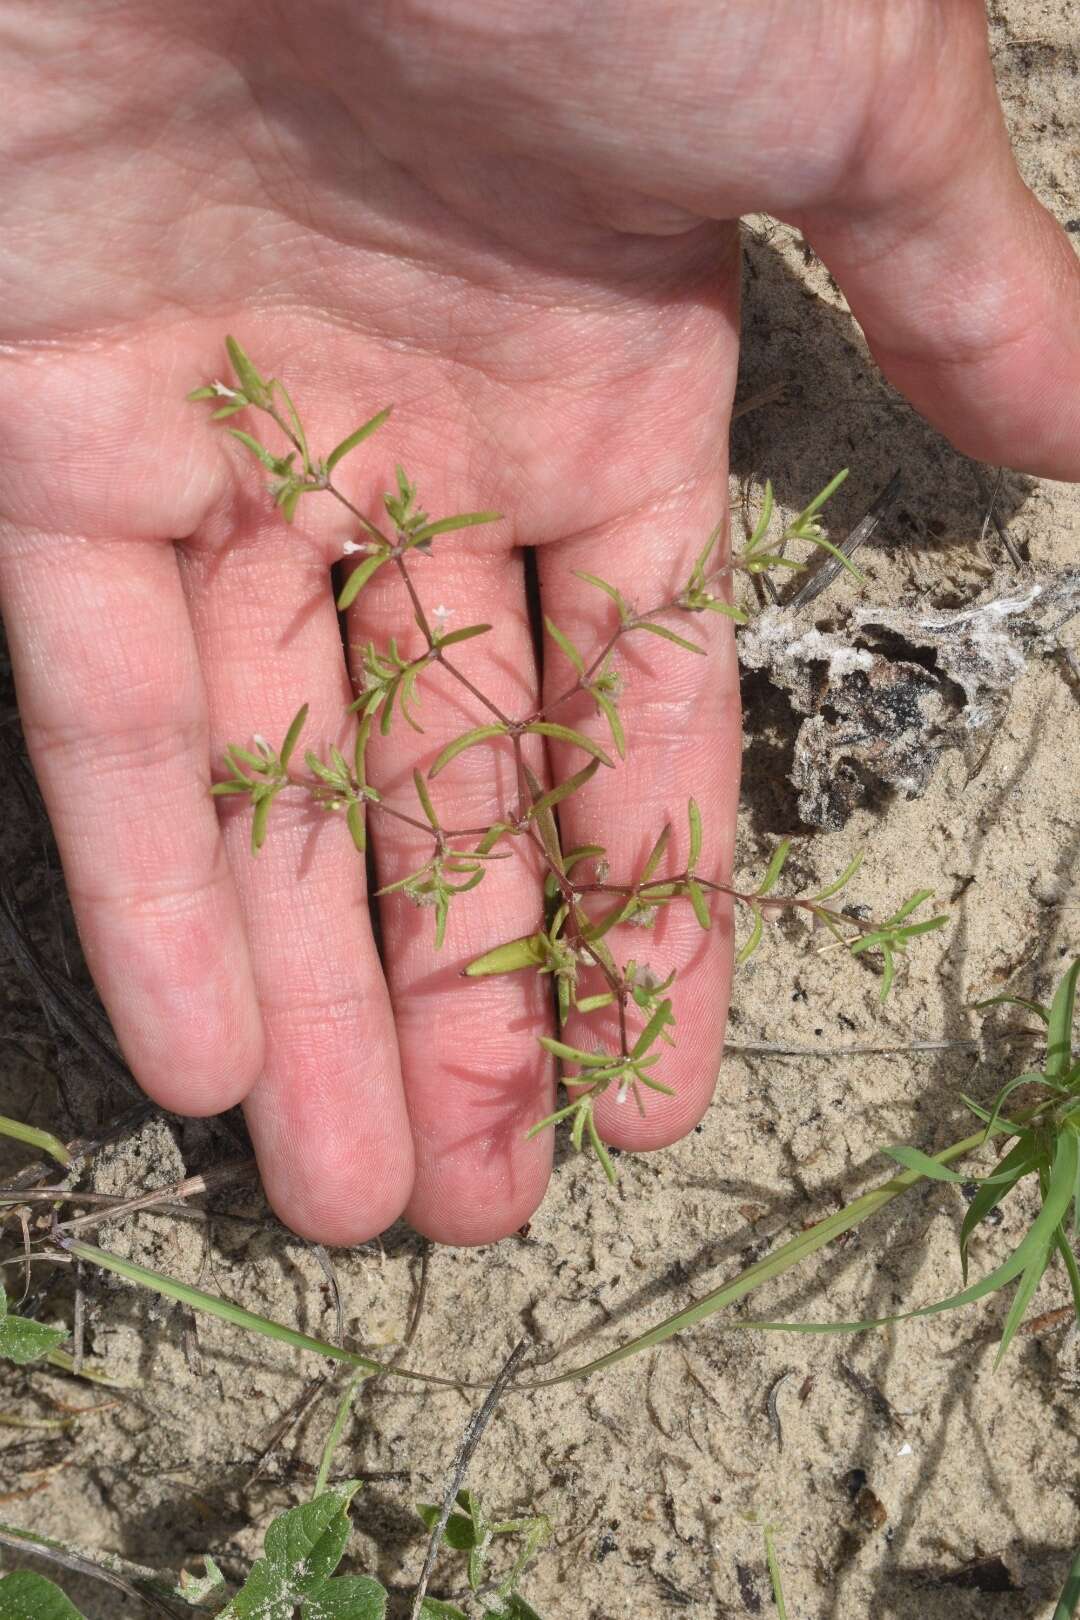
[[904, 1477]]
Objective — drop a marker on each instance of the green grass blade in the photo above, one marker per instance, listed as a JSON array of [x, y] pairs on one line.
[[1069, 1601], [1030, 1279], [44, 1141], [1059, 1025], [226, 1311], [774, 1265]]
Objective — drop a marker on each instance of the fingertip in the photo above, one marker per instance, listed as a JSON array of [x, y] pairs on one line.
[[333, 1189]]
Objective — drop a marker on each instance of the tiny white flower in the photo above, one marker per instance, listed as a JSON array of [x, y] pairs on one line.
[[441, 616], [621, 1094], [647, 979], [225, 393], [261, 743]]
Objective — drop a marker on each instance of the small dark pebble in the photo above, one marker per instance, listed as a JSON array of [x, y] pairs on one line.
[[747, 1589]]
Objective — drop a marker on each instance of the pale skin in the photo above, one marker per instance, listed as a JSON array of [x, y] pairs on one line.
[[514, 222]]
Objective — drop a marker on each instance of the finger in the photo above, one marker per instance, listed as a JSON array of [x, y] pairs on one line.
[[327, 1114], [681, 720], [966, 287], [114, 712], [475, 1077]]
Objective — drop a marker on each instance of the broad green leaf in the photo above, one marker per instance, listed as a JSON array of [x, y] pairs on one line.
[[44, 1141], [26, 1596], [549, 728], [346, 1597], [468, 739], [356, 438], [436, 1609], [668, 635], [1060, 1024], [292, 736], [23, 1341], [200, 1588], [565, 645], [250, 381], [460, 1531], [509, 958], [358, 579], [303, 1548]]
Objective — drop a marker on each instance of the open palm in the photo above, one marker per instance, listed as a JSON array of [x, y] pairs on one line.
[[515, 228]]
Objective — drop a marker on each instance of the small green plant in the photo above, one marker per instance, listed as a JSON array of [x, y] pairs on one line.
[[583, 902]]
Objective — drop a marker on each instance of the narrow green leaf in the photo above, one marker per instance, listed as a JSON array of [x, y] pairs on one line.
[[250, 381], [694, 815], [668, 635], [468, 739], [842, 881], [1030, 1279], [226, 411], [356, 438], [761, 527], [697, 900], [819, 500], [509, 958], [354, 820], [659, 1020], [259, 822], [754, 940], [549, 728], [1011, 1169], [292, 736], [608, 590], [588, 1004], [259, 451], [611, 714], [358, 579], [656, 855], [565, 645], [912, 1159], [609, 1170], [463, 520], [564, 790], [775, 867], [1060, 1023], [1035, 1007], [425, 800], [205, 392], [465, 634], [572, 1054]]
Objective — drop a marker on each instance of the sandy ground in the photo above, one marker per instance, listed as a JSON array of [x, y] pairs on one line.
[[904, 1477]]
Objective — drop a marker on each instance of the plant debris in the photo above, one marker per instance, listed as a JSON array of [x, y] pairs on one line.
[[887, 694]]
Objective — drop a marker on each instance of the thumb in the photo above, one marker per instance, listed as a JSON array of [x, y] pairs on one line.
[[966, 287]]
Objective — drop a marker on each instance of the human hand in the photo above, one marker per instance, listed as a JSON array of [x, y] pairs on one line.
[[514, 223]]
